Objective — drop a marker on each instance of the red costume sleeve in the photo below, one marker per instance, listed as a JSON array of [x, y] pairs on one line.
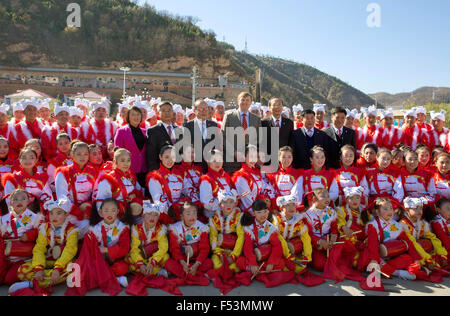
[[334, 228], [314, 239], [248, 250], [122, 248], [441, 234], [373, 245], [32, 234], [174, 247], [411, 249], [204, 248], [277, 250]]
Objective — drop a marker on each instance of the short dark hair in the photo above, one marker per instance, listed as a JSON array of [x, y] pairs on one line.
[[305, 112], [137, 110], [337, 110]]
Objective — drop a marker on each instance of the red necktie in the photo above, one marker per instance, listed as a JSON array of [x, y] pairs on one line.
[[169, 130], [278, 125], [244, 121]]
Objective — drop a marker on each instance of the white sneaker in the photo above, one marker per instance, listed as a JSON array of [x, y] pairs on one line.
[[19, 286], [163, 273], [405, 275], [122, 281]]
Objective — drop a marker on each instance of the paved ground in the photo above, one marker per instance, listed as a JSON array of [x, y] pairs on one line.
[[396, 287]]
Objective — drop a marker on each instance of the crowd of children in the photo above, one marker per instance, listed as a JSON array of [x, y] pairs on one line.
[[69, 196]]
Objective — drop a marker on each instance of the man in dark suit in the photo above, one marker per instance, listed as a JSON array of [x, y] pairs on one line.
[[304, 139], [283, 125], [162, 134], [338, 136], [201, 133], [248, 124]]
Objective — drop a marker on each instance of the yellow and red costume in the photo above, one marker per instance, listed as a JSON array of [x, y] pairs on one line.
[[294, 228], [142, 237], [65, 238], [225, 225]]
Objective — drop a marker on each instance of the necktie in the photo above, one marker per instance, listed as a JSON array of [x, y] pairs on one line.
[[278, 125], [339, 133], [244, 122], [310, 133], [169, 130], [203, 130]]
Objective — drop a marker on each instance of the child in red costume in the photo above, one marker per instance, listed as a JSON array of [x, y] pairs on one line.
[[21, 227], [189, 247], [384, 229], [263, 236]]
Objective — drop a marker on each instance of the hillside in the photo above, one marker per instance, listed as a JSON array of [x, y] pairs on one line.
[[114, 33], [421, 96]]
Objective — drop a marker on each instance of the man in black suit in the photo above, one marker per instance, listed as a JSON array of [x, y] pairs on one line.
[[201, 133], [338, 136], [162, 134], [283, 125], [304, 139]]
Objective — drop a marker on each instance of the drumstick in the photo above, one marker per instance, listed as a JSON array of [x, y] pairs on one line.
[[382, 273], [254, 275], [328, 249], [339, 243], [16, 239], [187, 263], [62, 276], [356, 233]]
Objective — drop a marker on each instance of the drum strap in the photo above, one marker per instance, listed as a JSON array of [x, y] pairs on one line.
[[13, 226], [381, 230], [104, 237]]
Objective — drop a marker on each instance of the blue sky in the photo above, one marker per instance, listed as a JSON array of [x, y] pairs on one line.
[[411, 49]]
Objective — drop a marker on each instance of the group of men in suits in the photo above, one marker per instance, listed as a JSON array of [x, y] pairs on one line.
[[240, 125]]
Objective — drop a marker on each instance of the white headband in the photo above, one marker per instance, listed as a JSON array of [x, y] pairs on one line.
[[421, 110], [44, 104], [372, 110], [227, 195], [74, 111], [412, 202], [4, 108], [177, 108], [412, 112], [349, 192], [63, 108], [220, 103], [17, 107], [150, 114], [438, 115], [81, 102], [386, 113], [297, 108], [62, 203], [189, 112], [285, 200], [319, 108], [148, 207]]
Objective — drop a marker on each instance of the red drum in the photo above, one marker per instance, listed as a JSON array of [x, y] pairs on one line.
[[19, 249], [191, 250], [295, 245], [262, 252], [426, 244], [227, 241], [55, 252], [393, 248], [150, 249]]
